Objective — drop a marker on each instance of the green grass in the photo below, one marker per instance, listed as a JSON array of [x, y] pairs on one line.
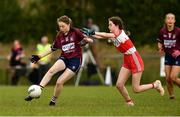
[[87, 101]]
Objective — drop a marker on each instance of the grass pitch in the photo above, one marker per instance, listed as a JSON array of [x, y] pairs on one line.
[[87, 101]]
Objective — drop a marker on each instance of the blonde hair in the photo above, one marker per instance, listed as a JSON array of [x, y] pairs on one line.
[[166, 17], [169, 14]]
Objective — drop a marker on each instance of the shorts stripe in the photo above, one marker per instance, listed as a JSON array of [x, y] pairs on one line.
[[135, 58], [79, 66]]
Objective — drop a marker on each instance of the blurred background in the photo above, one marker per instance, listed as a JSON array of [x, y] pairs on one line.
[[29, 20]]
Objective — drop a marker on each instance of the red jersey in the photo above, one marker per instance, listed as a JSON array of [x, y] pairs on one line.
[[132, 59], [69, 44], [124, 44], [169, 39]]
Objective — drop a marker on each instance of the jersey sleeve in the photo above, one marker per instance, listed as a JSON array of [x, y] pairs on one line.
[[56, 44], [160, 37], [80, 35]]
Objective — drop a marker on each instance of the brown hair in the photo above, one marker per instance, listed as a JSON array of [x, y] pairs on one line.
[[64, 19], [117, 21]]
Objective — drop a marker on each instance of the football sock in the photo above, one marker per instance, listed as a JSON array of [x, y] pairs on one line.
[[41, 87], [153, 86], [53, 99]]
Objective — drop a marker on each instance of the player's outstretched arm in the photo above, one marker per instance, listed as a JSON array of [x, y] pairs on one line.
[[36, 58], [98, 35], [104, 35], [85, 41]]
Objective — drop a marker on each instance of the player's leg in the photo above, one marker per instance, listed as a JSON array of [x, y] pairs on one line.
[[169, 81], [120, 84], [136, 78], [174, 74], [137, 67], [58, 66], [140, 88], [175, 71], [170, 64], [67, 74], [72, 67]]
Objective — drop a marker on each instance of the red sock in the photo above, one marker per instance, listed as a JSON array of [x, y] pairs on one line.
[[153, 86], [130, 100]]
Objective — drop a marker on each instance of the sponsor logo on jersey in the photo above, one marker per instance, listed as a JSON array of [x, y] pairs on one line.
[[169, 43], [68, 46], [116, 42], [120, 39], [174, 36], [164, 35], [169, 35], [71, 39], [67, 39]]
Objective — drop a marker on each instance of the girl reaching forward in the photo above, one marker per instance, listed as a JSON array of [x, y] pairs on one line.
[[133, 63]]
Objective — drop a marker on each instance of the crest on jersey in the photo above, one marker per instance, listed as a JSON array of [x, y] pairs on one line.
[[174, 36]]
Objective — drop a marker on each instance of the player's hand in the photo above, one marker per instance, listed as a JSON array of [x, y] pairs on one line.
[[88, 32], [176, 53], [35, 58], [82, 43], [161, 51]]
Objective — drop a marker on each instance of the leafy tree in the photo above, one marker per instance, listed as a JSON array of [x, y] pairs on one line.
[[29, 21]]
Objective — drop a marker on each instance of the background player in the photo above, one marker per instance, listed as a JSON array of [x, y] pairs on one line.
[[169, 42], [68, 40], [132, 60]]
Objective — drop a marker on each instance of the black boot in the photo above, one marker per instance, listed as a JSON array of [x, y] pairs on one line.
[[52, 103], [28, 98]]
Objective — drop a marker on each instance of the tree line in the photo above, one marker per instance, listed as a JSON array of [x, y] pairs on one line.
[[28, 20]]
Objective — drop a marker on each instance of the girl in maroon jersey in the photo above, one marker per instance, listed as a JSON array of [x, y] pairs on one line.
[[169, 43], [133, 63], [68, 40], [15, 61]]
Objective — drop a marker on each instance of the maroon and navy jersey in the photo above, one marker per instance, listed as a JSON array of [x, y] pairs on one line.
[[69, 44], [14, 53], [169, 39]]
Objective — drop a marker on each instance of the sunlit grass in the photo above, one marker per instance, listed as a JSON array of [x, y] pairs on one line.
[[87, 101]]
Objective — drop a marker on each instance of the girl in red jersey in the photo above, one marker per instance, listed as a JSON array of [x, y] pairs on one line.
[[169, 43], [68, 40], [133, 63]]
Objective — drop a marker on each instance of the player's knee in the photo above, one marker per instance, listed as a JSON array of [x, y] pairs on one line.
[[169, 80], [136, 89], [58, 84], [173, 77], [120, 86], [51, 72]]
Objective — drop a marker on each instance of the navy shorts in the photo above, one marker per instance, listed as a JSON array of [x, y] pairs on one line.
[[170, 60], [73, 64]]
